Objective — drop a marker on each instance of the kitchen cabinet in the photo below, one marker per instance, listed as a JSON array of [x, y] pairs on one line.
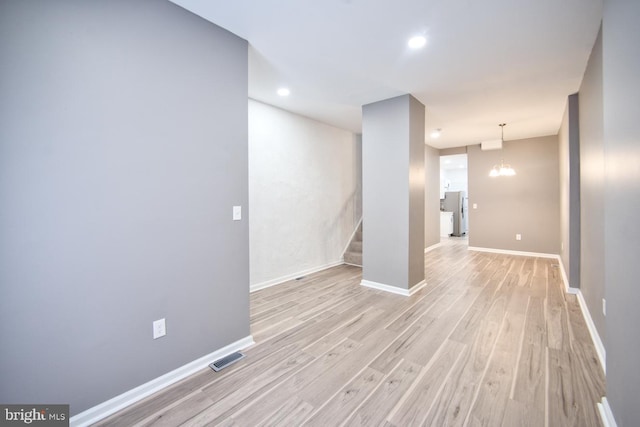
[[446, 224]]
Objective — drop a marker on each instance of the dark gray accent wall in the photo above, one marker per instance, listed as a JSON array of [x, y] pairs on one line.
[[358, 176], [123, 147], [592, 187], [431, 196], [393, 191], [416, 191], [569, 145], [621, 88], [526, 204]]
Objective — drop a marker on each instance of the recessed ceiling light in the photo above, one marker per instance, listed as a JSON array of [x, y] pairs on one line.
[[283, 91], [436, 134], [417, 42]]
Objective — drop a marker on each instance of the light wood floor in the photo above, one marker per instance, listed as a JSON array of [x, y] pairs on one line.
[[491, 340]]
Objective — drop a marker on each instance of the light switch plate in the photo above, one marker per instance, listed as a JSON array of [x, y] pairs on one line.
[[237, 213], [475, 206]]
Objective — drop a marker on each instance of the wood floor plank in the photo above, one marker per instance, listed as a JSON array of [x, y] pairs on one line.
[[529, 386], [437, 332], [471, 321], [414, 408], [419, 308], [321, 379], [454, 402], [390, 357], [156, 403], [522, 414], [375, 409], [344, 331], [270, 330], [322, 388], [291, 413], [493, 394], [228, 397], [565, 407], [176, 415], [492, 339], [261, 401], [347, 400]]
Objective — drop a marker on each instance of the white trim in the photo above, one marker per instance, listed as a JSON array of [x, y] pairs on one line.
[[351, 237], [393, 289], [567, 287], [606, 415], [510, 252], [586, 314], [280, 280], [432, 247], [597, 342], [111, 406], [352, 265]]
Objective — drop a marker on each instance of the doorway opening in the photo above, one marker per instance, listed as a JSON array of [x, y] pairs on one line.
[[454, 218]]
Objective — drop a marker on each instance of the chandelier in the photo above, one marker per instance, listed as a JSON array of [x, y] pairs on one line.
[[503, 169]]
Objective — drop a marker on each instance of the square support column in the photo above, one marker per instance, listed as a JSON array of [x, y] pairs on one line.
[[393, 195]]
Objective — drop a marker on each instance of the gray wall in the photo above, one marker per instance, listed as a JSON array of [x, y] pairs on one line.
[[416, 191], [123, 147], [527, 203], [452, 151], [431, 196], [569, 145], [393, 191], [592, 187], [621, 71]]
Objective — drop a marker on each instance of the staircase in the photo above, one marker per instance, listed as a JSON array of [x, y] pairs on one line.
[[353, 254]]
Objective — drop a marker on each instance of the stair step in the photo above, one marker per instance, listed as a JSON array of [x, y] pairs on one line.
[[355, 246], [353, 258]]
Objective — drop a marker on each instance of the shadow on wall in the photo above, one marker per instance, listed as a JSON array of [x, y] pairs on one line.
[[341, 226]]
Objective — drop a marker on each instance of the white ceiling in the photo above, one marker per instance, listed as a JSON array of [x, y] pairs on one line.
[[485, 62]]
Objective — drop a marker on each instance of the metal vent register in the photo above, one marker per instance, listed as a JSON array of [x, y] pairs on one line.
[[220, 364]]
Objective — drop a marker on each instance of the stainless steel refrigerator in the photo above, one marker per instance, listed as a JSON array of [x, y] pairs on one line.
[[456, 202]]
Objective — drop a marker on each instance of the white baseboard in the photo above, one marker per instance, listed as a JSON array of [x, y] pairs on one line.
[[510, 252], [606, 415], [111, 406], [586, 314], [280, 280], [595, 337], [393, 289], [432, 247]]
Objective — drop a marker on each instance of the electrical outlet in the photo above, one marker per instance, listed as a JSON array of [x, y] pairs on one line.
[[604, 307], [475, 206], [518, 236], [159, 329]]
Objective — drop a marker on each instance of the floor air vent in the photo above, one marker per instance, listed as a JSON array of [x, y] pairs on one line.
[[220, 364]]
